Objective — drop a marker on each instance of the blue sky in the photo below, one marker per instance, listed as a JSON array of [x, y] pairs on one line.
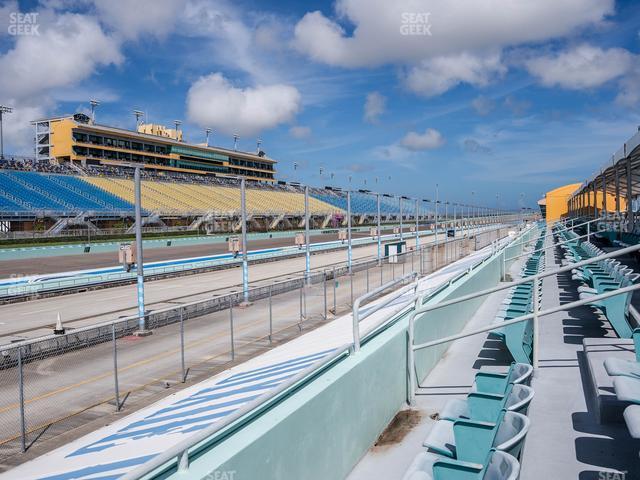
[[507, 96]]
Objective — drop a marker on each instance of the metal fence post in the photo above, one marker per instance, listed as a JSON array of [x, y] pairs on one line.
[[233, 352], [367, 278], [351, 287], [270, 313], [412, 255], [324, 292], [184, 373], [115, 366], [300, 319], [536, 333], [335, 301], [23, 427]]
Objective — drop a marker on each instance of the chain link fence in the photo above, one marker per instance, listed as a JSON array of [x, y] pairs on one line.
[[52, 384]]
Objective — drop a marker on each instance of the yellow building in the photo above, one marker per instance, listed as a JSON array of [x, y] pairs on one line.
[[78, 139], [556, 202]]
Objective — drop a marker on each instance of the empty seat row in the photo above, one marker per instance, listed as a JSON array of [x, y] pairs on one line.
[[179, 198], [362, 203], [480, 437], [33, 191], [626, 383], [518, 337], [597, 278]]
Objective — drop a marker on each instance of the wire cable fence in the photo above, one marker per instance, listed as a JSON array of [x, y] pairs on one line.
[[52, 384]]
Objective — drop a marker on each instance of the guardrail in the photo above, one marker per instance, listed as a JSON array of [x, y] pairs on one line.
[[25, 289], [357, 316]]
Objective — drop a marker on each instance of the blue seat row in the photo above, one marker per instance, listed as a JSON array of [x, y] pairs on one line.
[[480, 437], [33, 191], [362, 203]]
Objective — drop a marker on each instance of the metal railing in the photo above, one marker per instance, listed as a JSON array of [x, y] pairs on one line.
[[357, 316], [21, 289], [535, 279]]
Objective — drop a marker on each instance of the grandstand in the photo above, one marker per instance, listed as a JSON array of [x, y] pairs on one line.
[[69, 196]]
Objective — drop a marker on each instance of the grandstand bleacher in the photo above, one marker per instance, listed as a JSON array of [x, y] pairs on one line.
[[32, 187]]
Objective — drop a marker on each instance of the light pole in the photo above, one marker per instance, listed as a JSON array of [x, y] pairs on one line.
[[235, 141], [446, 218], [417, 226], [94, 104], [245, 263], [379, 229], [138, 114], [349, 231], [142, 321], [177, 123], [207, 132], [307, 253], [455, 221], [3, 109], [401, 215], [437, 202]]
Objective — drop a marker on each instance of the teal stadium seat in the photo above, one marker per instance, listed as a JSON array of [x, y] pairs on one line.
[[486, 407], [471, 440], [499, 466]]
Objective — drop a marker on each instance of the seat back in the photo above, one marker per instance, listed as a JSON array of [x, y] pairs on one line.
[[511, 433], [519, 398], [520, 373], [502, 466]]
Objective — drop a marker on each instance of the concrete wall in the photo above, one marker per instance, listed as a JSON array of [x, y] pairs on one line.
[[321, 431]]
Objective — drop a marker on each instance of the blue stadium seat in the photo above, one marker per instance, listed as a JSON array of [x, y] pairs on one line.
[[24, 190], [36, 200]]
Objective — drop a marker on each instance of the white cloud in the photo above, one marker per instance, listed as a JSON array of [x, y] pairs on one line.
[[6, 9], [584, 66], [140, 17], [456, 26], [17, 128], [629, 94], [300, 131], [374, 106], [437, 75], [67, 51], [517, 107], [470, 145], [483, 105], [428, 140], [213, 102]]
